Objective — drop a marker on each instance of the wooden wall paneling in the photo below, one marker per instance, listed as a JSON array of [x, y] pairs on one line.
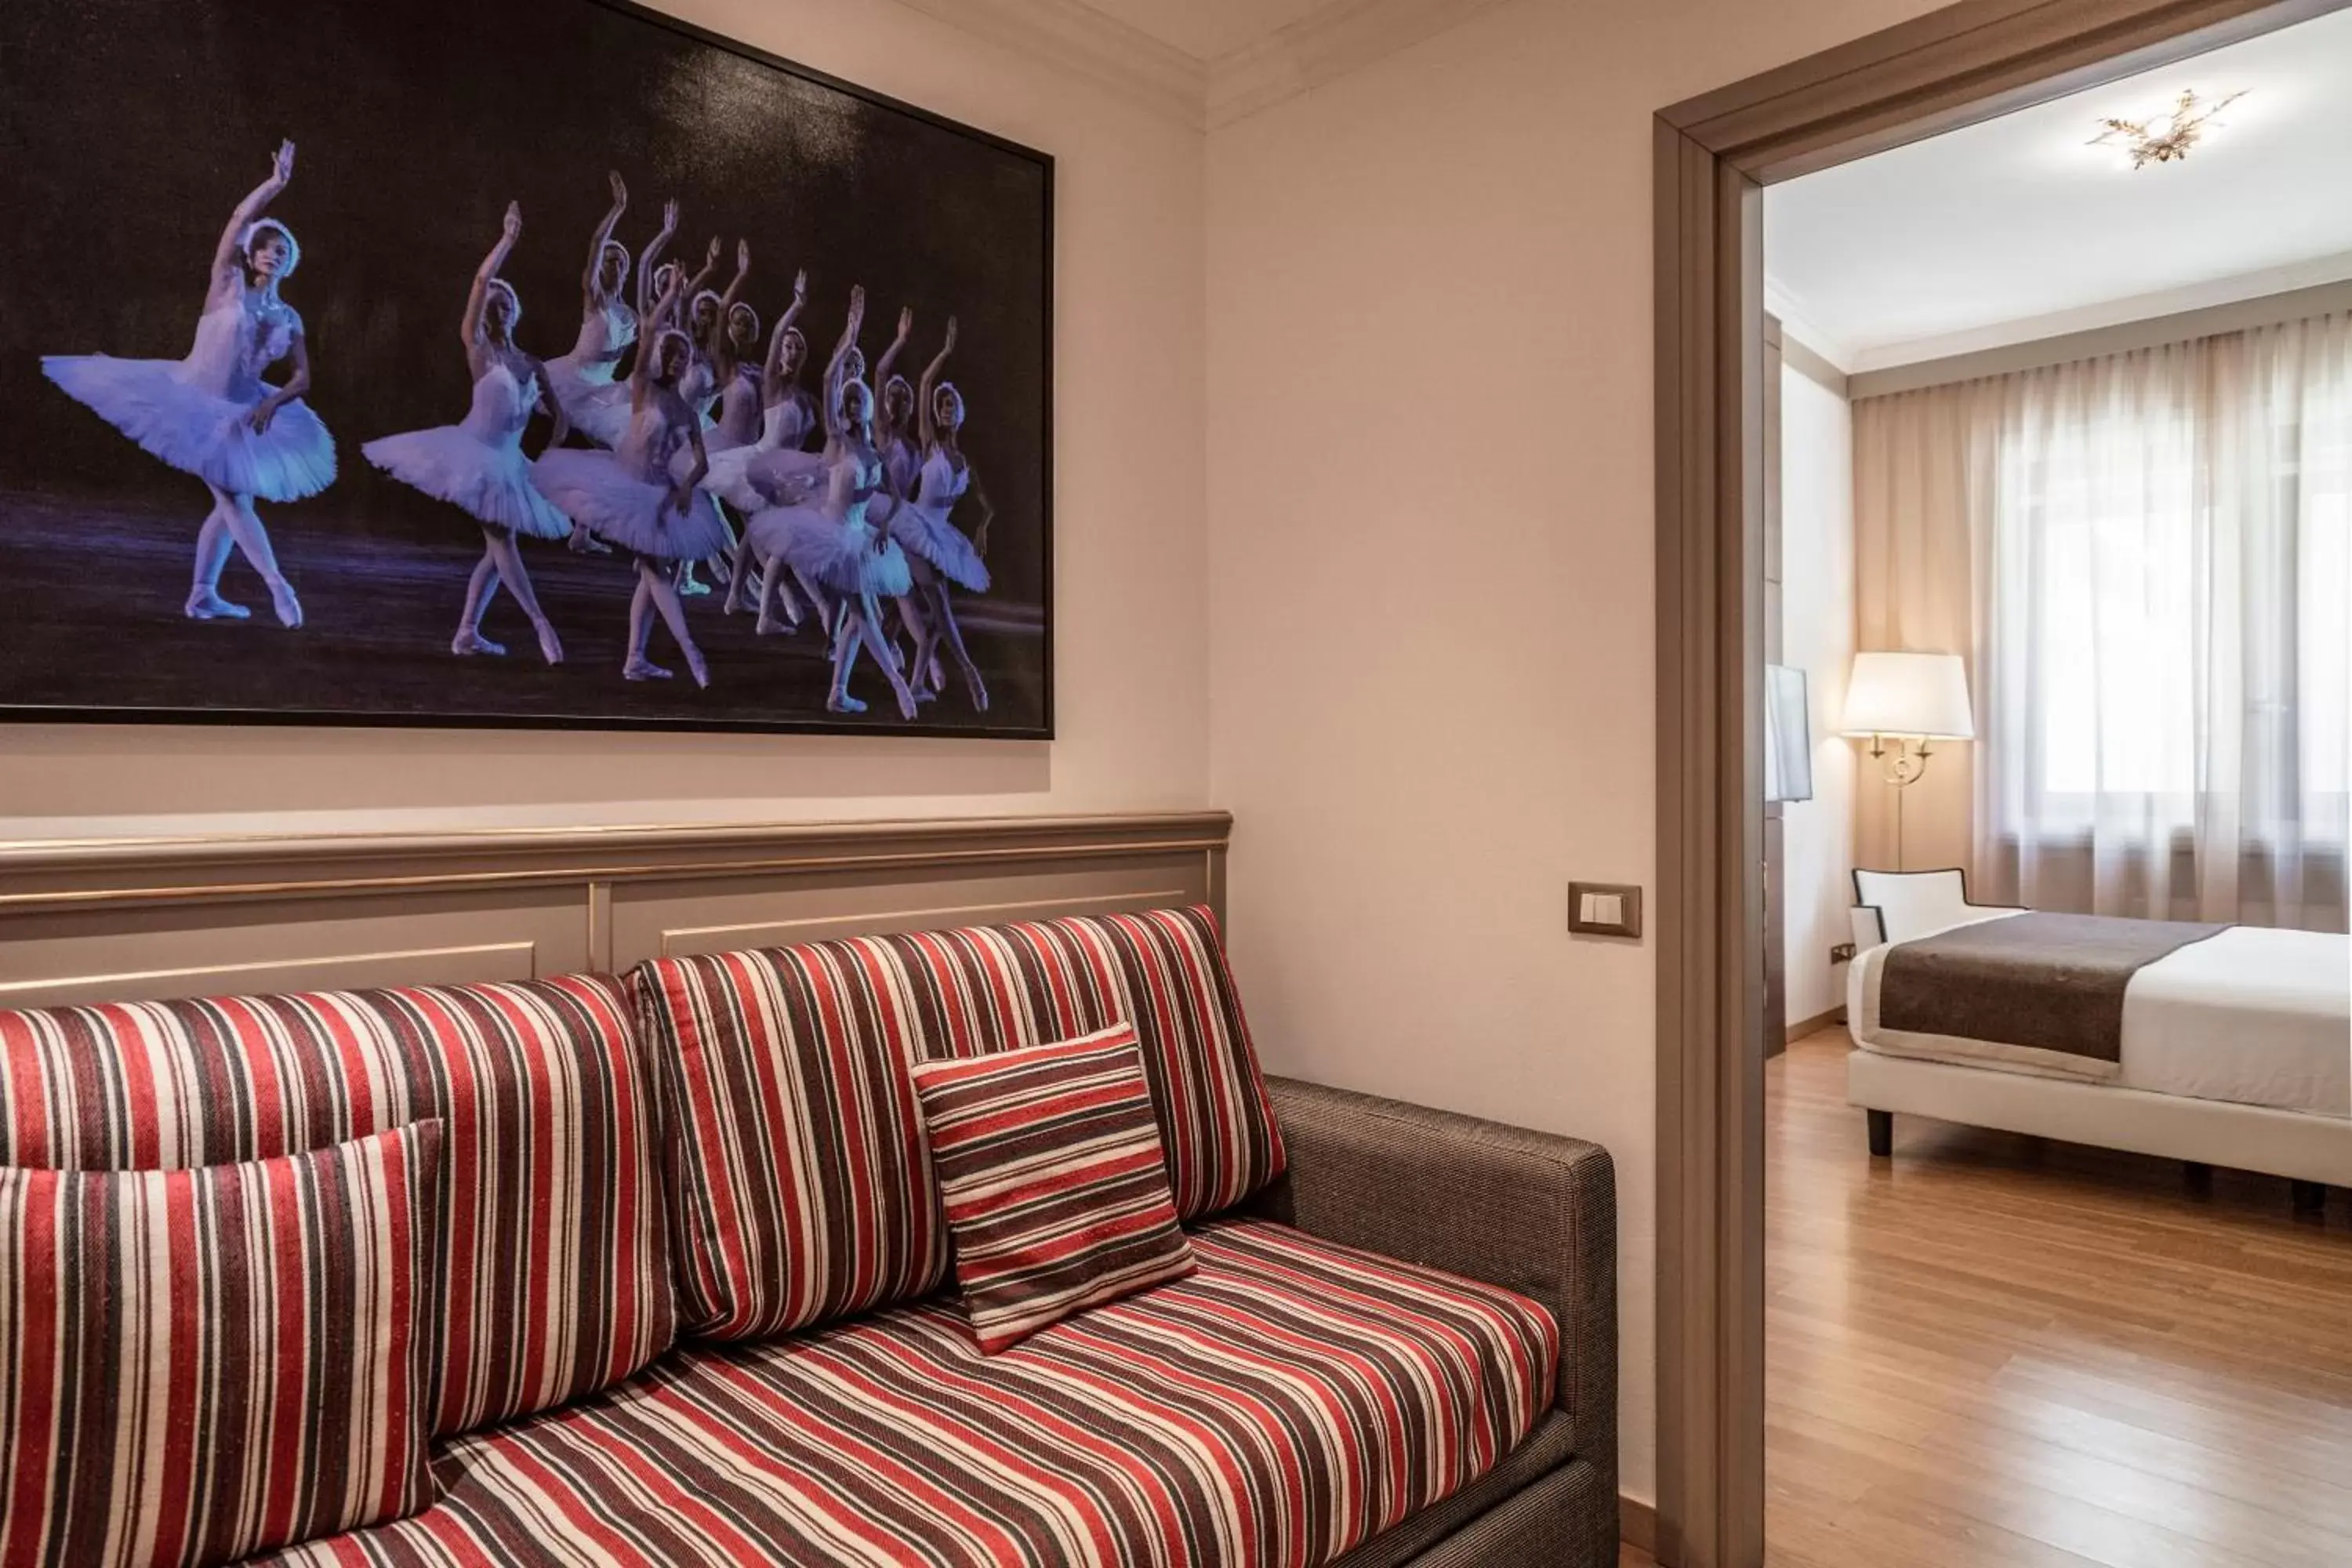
[[142, 919], [667, 919], [192, 947]]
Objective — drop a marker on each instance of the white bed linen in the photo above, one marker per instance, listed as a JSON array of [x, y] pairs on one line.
[[2251, 1016]]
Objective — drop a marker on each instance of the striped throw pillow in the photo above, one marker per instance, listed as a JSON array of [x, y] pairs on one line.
[[1056, 1188], [197, 1365]]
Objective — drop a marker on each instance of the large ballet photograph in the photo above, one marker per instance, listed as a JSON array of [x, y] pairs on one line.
[[533, 362]]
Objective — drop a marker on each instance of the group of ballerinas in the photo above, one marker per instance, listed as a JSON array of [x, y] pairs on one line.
[[693, 429]]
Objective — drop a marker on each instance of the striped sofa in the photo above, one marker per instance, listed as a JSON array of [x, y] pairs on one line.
[[693, 1311]]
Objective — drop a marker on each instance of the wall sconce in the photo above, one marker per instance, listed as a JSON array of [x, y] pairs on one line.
[[1912, 700]]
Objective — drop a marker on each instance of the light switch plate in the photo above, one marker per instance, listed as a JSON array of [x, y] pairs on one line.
[[1604, 909]]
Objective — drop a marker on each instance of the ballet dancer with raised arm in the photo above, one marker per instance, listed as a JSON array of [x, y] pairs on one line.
[[629, 497], [709, 379], [212, 415], [835, 545], [583, 379], [479, 466], [940, 556], [787, 415], [893, 439]]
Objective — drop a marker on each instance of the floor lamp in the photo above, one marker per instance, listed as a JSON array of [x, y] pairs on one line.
[[1902, 704]]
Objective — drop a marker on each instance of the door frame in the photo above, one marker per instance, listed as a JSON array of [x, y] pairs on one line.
[[1714, 155]]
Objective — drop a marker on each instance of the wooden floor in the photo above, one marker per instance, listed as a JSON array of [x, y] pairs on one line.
[[1990, 1350]]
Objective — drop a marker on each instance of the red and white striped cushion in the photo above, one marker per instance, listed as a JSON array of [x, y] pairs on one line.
[[198, 1365], [557, 1253], [1050, 1170], [1283, 1406], [802, 1189]]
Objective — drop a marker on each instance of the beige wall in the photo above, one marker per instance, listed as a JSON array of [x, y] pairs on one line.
[[1129, 560], [1430, 509], [1817, 637]]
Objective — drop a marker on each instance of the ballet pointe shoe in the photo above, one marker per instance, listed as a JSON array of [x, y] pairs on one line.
[[690, 586], [769, 626], [640, 667], [979, 690], [696, 667], [583, 543], [551, 647], [841, 701], [288, 608], [469, 642], [207, 605]]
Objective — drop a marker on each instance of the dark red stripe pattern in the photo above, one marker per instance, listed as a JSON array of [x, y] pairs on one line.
[[1279, 1407], [802, 1189], [1049, 1168], [197, 1365], [556, 1255]]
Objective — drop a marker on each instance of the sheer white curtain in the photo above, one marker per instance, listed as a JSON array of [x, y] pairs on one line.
[[2149, 559]]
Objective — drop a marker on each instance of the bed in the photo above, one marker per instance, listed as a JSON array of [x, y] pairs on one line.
[[2216, 1044]]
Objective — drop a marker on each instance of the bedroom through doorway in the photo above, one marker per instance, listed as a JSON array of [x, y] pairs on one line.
[[2057, 704]]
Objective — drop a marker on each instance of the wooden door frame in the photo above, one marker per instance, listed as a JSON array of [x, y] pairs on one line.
[[1715, 153]]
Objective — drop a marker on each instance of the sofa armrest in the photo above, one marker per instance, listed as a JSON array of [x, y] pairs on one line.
[[1533, 1212]]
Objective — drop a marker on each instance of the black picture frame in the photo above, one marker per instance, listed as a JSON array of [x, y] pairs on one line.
[[882, 720]]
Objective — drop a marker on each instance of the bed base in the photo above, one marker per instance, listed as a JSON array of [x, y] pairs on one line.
[[2313, 1153]]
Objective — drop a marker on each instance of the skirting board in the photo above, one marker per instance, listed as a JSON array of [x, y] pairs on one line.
[[1637, 1524], [1805, 1028], [2171, 1127]]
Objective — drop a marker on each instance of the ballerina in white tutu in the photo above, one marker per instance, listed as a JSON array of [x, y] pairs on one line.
[[710, 323], [584, 379], [787, 415], [479, 466], [629, 497], [789, 476], [894, 438], [213, 416], [939, 556], [834, 544]]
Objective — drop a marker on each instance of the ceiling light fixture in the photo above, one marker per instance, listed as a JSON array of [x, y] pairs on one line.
[[2157, 141]]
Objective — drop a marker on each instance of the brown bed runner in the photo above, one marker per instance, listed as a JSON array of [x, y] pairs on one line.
[[2051, 981]]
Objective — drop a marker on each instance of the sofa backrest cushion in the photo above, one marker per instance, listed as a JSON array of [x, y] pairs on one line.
[[556, 1263], [803, 1189], [199, 1365]]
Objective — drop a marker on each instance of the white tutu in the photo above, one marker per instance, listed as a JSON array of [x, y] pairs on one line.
[[583, 379], [593, 490], [491, 483], [784, 477], [598, 410], [923, 526], [199, 432], [848, 558], [925, 531], [478, 465]]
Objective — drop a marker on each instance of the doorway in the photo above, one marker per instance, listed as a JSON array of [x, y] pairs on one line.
[[1714, 155]]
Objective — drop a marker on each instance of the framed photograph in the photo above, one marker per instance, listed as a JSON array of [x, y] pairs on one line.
[[511, 362]]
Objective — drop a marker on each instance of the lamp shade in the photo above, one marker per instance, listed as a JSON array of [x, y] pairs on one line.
[[1921, 694]]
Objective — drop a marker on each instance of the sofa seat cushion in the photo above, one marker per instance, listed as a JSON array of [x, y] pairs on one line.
[[556, 1264], [801, 1185], [1286, 1402]]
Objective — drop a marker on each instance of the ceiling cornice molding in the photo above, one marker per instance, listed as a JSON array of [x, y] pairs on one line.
[[1338, 38], [1083, 40]]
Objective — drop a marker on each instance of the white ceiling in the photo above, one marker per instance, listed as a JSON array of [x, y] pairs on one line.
[[1209, 29], [2015, 229]]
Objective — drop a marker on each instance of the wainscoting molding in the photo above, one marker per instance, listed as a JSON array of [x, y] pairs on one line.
[[131, 918]]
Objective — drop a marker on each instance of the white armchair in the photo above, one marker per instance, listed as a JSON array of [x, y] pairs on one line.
[[1896, 906]]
